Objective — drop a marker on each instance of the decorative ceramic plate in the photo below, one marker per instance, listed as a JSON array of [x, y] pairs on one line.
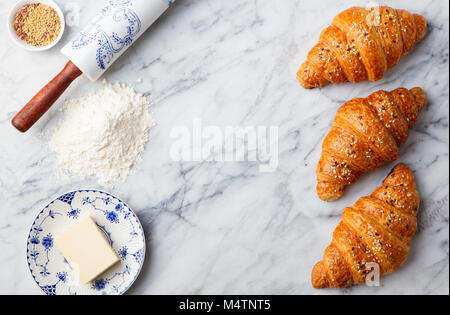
[[122, 228]]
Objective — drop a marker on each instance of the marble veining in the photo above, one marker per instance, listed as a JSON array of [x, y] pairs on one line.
[[224, 227]]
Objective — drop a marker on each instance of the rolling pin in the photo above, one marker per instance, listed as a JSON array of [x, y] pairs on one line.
[[110, 33]]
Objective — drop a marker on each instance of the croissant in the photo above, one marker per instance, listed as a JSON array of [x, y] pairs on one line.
[[361, 44], [366, 133], [376, 230]]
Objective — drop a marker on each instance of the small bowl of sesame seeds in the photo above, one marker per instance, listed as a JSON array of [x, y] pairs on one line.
[[36, 25]]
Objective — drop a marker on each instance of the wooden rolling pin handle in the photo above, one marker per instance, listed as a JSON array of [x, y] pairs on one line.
[[46, 97]]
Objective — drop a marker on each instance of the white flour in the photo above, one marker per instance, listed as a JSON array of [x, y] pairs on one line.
[[103, 134]]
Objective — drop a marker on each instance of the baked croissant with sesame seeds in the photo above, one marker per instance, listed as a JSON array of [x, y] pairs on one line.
[[376, 231], [366, 133], [361, 44]]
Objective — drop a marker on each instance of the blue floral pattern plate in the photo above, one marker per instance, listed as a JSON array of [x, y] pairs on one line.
[[122, 229]]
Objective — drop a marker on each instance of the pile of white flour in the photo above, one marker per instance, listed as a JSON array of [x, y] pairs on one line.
[[103, 134]]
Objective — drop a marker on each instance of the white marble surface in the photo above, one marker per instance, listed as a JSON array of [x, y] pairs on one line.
[[220, 228]]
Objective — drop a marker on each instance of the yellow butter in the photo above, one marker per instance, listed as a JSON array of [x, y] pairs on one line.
[[87, 250]]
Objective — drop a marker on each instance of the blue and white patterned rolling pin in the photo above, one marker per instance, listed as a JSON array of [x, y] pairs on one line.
[[111, 32], [94, 50]]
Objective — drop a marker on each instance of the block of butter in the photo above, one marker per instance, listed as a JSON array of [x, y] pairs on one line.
[[87, 250]]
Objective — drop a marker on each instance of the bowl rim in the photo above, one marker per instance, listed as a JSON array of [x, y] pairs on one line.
[[12, 33]]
